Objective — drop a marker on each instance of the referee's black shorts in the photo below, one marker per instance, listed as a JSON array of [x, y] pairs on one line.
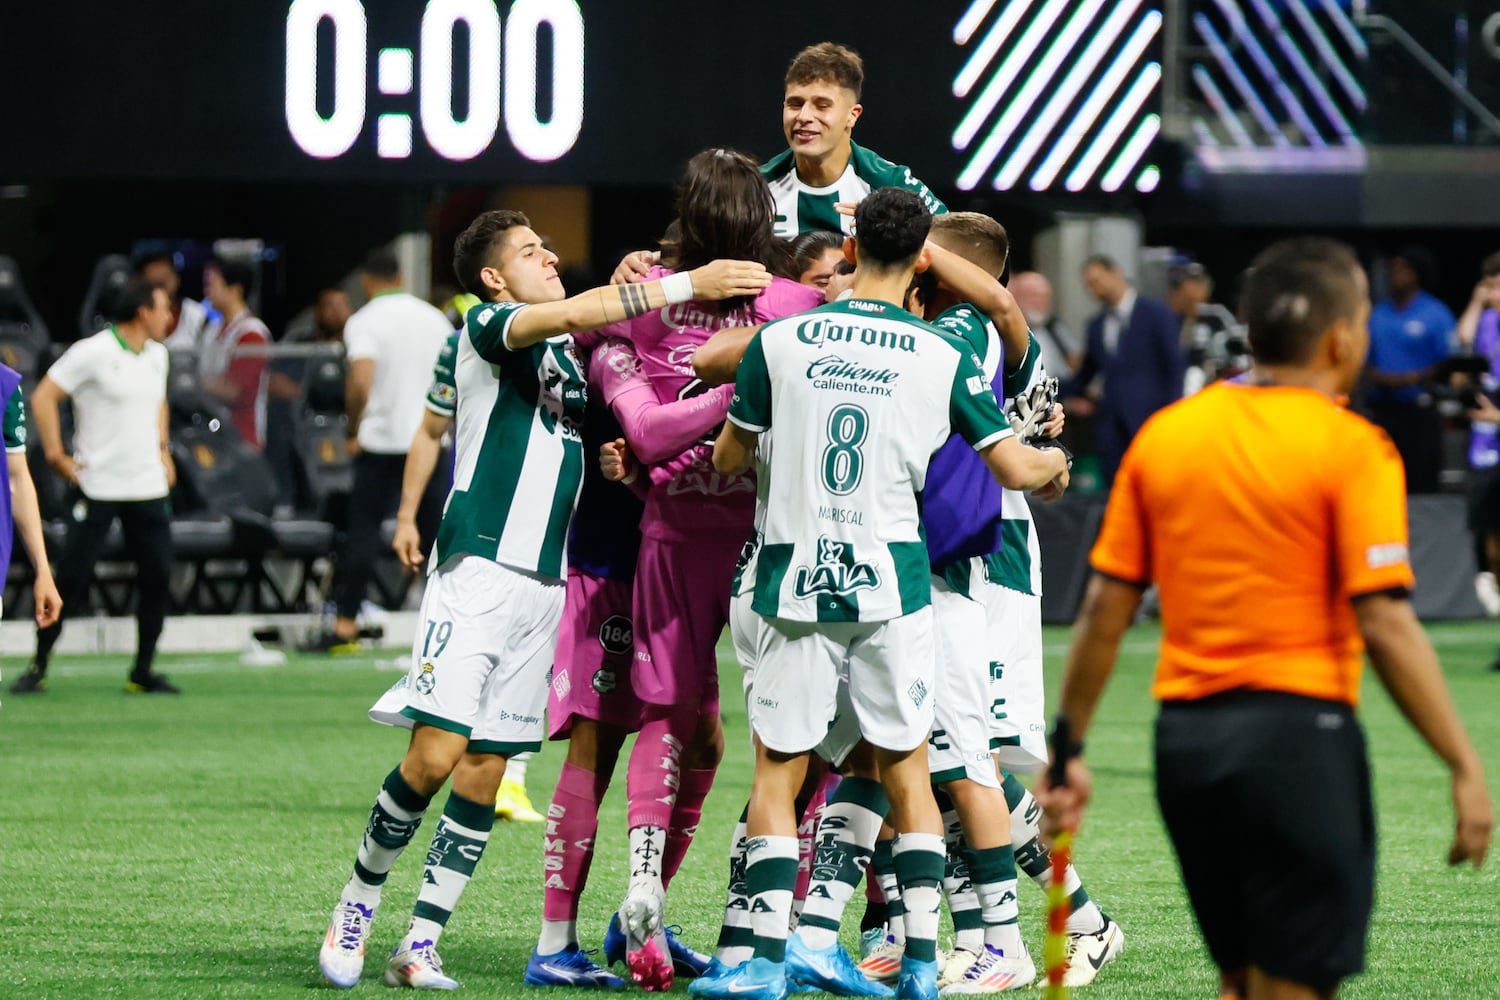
[[1266, 797]]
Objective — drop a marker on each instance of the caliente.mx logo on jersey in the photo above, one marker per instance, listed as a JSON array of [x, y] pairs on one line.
[[837, 571]]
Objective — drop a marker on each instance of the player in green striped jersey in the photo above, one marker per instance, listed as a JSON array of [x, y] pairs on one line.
[[823, 166], [841, 575], [477, 686]]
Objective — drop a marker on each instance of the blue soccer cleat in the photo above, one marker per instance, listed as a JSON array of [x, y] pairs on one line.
[[757, 979], [918, 980], [686, 962], [614, 941], [570, 967], [829, 969]]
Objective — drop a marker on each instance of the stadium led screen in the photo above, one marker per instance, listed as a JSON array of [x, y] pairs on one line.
[[993, 94]]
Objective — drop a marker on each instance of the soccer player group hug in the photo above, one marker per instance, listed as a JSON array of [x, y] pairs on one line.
[[840, 475], [891, 652]]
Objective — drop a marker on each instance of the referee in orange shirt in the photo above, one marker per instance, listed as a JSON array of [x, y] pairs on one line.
[[1273, 522]]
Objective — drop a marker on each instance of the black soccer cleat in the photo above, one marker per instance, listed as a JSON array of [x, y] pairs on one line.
[[151, 684], [33, 681]]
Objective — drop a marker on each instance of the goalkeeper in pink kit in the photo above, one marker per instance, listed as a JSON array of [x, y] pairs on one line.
[[696, 522]]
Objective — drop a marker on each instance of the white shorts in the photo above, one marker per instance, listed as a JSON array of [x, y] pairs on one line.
[[1018, 726], [959, 746], [744, 629], [481, 658], [745, 626], [799, 668]]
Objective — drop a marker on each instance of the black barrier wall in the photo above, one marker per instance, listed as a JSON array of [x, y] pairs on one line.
[[1441, 550]]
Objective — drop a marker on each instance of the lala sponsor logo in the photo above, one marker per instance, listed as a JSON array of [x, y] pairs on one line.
[[837, 572], [822, 331]]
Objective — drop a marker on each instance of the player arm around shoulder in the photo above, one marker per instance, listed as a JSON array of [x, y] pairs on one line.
[[721, 279], [1408, 667], [718, 358]]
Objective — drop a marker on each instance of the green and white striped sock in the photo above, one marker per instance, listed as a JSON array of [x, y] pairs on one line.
[[919, 871], [846, 838], [457, 845], [770, 880], [394, 819]]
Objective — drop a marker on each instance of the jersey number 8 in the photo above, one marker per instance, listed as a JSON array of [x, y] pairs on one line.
[[843, 463]]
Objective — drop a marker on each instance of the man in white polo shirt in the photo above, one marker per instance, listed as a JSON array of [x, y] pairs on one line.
[[392, 342], [117, 380]]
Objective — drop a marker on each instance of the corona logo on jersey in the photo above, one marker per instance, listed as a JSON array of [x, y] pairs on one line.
[[837, 571], [825, 331]]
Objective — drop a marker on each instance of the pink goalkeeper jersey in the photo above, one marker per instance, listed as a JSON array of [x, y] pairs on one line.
[[694, 499]]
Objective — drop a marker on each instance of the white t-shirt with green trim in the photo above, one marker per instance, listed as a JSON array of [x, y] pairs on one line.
[[117, 397]]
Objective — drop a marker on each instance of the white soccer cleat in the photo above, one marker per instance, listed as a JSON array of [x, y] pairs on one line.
[[1088, 953], [342, 957], [417, 966], [994, 972], [883, 963], [647, 952], [1488, 592], [954, 965]]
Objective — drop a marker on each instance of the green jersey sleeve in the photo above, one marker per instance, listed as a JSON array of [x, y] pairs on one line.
[[968, 324], [972, 410], [1018, 379], [488, 324], [751, 406], [442, 398], [879, 172], [15, 422]]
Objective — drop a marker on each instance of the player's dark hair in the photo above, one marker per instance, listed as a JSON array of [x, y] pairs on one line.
[[1295, 290], [1103, 260], [234, 272], [725, 211], [136, 294], [806, 248], [890, 227], [381, 264], [476, 246], [831, 62], [975, 237], [1491, 265]]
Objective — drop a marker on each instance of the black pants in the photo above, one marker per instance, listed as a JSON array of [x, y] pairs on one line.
[[1417, 432], [147, 525], [376, 496]]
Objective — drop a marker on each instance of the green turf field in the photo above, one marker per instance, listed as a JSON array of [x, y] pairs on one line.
[[193, 846]]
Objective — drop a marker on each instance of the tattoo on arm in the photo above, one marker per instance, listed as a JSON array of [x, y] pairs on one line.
[[635, 301]]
